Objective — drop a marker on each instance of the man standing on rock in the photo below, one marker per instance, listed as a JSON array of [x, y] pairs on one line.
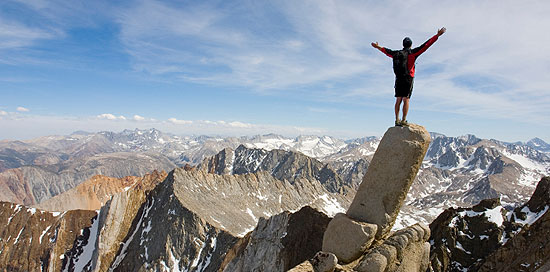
[[403, 67]]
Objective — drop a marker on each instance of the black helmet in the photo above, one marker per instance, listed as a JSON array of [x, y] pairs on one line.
[[407, 42]]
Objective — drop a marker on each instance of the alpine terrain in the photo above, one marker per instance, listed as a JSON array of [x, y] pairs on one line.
[[143, 200]]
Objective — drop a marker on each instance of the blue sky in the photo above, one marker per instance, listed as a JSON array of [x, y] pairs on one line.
[[286, 67]]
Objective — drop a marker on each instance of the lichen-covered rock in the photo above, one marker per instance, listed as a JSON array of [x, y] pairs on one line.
[[389, 177]]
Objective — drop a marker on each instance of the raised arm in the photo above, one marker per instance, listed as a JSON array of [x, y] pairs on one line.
[[382, 49], [422, 48]]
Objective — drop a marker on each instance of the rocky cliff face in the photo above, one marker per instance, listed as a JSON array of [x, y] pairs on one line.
[[167, 235], [462, 237], [488, 237], [34, 240], [279, 243], [530, 248]]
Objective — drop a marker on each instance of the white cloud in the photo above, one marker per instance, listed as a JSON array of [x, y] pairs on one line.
[[3, 113], [109, 116], [179, 122], [138, 118], [22, 109], [240, 125]]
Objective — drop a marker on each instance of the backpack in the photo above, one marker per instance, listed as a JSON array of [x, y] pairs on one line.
[[400, 63]]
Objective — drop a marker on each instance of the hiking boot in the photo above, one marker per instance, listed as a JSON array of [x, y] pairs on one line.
[[397, 123], [404, 123]]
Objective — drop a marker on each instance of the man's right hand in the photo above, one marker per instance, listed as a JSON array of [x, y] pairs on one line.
[[441, 31]]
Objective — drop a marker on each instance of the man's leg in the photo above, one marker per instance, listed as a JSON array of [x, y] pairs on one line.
[[405, 107], [397, 106]]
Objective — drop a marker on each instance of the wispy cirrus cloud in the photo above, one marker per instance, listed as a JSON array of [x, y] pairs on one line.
[[15, 35], [474, 69]]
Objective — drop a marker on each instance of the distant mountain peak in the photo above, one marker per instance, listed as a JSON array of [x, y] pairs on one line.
[[539, 145]]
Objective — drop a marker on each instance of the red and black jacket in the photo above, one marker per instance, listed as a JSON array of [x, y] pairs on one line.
[[413, 54]]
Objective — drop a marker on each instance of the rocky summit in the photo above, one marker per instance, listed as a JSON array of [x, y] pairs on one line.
[[389, 177], [358, 240]]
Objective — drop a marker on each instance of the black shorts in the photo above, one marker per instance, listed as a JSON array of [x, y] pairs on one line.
[[404, 86]]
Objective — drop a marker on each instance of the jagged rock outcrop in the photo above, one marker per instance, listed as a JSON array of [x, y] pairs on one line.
[[279, 243], [487, 237], [95, 192], [358, 238], [30, 185], [389, 177], [530, 248], [462, 237], [526, 251], [192, 219], [35, 240], [381, 194], [283, 165]]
